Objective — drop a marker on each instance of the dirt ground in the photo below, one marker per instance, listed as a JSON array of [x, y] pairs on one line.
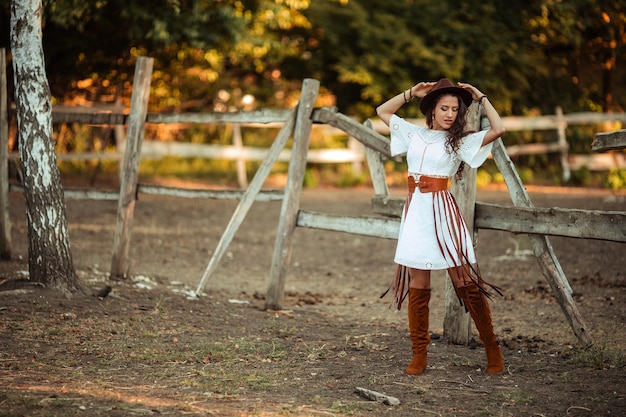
[[151, 348]]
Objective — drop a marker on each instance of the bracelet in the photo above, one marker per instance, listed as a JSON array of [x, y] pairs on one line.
[[411, 93], [404, 96], [480, 100]]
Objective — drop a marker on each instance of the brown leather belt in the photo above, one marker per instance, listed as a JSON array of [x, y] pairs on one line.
[[428, 184]]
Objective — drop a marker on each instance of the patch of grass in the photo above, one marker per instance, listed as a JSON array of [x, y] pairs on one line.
[[315, 353], [277, 328], [238, 378], [512, 397], [343, 408], [600, 356], [463, 361]]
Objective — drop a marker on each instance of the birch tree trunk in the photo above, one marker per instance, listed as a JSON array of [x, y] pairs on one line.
[[49, 254]]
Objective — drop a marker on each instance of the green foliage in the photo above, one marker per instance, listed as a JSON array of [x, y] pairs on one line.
[[616, 179], [483, 178], [581, 177]]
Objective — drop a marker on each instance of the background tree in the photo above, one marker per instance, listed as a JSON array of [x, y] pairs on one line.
[[581, 44], [49, 254]]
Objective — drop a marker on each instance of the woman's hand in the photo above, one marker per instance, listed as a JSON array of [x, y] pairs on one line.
[[419, 90], [496, 128], [476, 94]]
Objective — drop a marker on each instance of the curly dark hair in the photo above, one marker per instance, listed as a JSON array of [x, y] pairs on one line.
[[455, 133]]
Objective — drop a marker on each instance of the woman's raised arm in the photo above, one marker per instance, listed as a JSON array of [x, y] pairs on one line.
[[391, 106]]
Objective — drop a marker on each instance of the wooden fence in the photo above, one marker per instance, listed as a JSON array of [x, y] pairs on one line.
[[522, 218], [354, 153]]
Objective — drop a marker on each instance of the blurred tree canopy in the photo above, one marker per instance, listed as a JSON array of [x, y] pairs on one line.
[[529, 56]]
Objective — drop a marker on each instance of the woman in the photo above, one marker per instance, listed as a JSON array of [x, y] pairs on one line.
[[433, 234]]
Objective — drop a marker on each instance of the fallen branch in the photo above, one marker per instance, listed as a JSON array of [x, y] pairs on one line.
[[377, 396]]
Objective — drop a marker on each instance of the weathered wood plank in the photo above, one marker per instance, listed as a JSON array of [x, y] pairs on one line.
[[584, 224], [262, 195], [93, 118], [367, 137], [128, 188], [457, 324], [542, 247], [384, 227], [114, 195], [552, 122], [536, 148], [608, 141], [598, 162], [577, 223], [387, 205], [275, 294], [256, 116]]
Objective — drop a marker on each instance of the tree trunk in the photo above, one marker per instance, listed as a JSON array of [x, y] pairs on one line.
[[49, 255]]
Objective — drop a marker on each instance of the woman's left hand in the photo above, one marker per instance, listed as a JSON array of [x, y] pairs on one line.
[[476, 94]]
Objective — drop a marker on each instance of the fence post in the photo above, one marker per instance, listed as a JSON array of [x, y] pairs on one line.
[[542, 248], [275, 294], [376, 167], [120, 264], [5, 220], [456, 321], [242, 177], [563, 145]]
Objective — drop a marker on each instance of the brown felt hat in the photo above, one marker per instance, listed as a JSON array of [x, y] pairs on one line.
[[444, 86]]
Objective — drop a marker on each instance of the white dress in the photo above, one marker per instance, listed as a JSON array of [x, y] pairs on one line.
[[429, 238]]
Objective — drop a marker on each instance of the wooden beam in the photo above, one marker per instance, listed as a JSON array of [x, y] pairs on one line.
[[546, 258], [608, 141], [366, 136], [457, 324], [114, 195], [261, 195], [275, 294], [120, 264], [577, 223], [387, 228], [584, 224], [65, 116], [263, 116]]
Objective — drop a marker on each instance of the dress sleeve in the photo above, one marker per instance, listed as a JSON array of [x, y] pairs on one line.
[[400, 138], [471, 150]]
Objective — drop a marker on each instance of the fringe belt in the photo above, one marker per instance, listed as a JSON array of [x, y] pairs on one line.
[[447, 216]]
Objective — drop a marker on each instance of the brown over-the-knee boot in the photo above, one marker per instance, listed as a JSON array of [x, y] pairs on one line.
[[478, 306], [418, 328]]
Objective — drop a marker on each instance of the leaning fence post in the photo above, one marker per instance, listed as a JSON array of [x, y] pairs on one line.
[[542, 247], [130, 174], [5, 220], [275, 293], [456, 321]]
